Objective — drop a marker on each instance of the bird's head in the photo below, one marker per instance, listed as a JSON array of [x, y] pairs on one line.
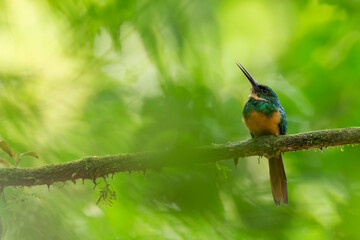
[[259, 91]]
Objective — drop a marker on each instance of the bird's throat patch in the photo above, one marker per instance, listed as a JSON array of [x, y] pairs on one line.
[[254, 96]]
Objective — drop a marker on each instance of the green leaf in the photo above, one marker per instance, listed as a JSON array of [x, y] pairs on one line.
[[6, 162], [6, 148], [223, 169], [13, 153], [107, 195], [33, 154]]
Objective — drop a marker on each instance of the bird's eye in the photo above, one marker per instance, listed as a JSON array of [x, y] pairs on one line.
[[265, 91]]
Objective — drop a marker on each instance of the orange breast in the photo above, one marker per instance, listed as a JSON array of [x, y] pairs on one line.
[[260, 124]]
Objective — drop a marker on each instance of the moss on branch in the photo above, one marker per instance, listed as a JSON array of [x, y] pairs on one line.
[[99, 166]]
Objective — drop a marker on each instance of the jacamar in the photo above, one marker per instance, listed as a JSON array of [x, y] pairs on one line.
[[264, 115]]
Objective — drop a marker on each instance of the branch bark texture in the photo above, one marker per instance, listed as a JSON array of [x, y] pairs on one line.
[[99, 166]]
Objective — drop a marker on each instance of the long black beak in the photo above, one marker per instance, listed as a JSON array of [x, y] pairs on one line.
[[252, 80]]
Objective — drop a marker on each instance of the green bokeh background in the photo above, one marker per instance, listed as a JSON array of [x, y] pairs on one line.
[[81, 78]]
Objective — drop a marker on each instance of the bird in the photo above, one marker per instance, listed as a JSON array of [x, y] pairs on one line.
[[264, 115]]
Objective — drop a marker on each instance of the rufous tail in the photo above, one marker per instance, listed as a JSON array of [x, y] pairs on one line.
[[278, 180]]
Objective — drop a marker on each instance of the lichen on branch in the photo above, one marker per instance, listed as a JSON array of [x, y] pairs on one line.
[[99, 166]]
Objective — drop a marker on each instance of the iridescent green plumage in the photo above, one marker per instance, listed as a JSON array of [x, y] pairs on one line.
[[267, 108]]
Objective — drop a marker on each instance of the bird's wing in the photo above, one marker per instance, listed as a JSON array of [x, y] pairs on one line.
[[283, 122]]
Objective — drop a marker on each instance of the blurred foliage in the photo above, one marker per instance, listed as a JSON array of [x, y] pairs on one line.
[[81, 78]]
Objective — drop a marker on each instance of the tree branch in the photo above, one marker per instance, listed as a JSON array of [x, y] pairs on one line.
[[100, 166]]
